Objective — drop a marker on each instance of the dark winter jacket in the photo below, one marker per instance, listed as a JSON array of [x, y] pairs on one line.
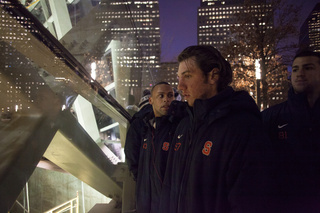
[[216, 158], [134, 137], [294, 130], [153, 155]]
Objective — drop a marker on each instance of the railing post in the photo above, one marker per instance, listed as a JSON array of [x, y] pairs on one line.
[[77, 209], [27, 192]]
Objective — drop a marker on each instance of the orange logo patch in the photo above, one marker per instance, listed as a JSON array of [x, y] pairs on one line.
[[207, 148]]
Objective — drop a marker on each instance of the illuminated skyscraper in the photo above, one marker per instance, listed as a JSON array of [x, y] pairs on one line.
[[19, 87], [215, 18], [310, 31], [136, 24], [169, 73]]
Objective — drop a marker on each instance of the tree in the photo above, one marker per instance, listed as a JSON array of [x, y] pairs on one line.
[[244, 73], [263, 32]]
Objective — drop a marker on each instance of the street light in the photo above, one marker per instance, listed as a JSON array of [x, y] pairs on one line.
[[258, 79], [93, 71]]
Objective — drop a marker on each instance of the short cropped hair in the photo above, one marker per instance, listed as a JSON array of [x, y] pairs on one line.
[[207, 57], [304, 53], [159, 83]]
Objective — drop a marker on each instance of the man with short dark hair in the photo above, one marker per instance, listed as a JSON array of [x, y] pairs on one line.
[[294, 130], [214, 161], [160, 125]]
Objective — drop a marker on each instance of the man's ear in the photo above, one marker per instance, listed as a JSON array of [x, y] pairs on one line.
[[150, 100], [213, 76]]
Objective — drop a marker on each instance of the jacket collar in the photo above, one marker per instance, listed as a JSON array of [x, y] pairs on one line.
[[217, 105], [150, 120], [297, 101]]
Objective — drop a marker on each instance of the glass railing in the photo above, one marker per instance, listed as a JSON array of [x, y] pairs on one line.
[[63, 99]]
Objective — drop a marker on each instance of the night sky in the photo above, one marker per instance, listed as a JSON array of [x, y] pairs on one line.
[[178, 24]]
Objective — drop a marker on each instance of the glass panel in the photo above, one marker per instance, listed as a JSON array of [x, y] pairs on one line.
[[48, 97], [120, 39], [25, 73]]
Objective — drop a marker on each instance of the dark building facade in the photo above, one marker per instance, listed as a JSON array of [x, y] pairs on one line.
[[214, 20], [310, 31], [215, 17], [169, 73]]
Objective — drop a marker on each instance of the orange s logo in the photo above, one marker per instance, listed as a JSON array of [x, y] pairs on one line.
[[207, 148], [165, 146]]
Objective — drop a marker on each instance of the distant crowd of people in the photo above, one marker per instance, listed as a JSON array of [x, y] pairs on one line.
[[215, 152]]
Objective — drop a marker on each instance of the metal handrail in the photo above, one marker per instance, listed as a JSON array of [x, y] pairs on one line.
[[69, 205]]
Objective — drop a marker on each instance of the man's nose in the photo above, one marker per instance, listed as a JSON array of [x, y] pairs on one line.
[[166, 98], [181, 85], [300, 71]]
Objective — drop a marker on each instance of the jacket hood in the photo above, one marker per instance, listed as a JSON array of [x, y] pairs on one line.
[[142, 112]]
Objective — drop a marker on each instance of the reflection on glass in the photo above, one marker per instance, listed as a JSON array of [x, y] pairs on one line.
[[48, 97], [122, 38]]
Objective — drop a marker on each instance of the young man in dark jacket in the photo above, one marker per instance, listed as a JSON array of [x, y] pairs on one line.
[[216, 154], [160, 126], [294, 130]]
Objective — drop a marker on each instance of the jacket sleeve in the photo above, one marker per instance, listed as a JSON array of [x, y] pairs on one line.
[[133, 144]]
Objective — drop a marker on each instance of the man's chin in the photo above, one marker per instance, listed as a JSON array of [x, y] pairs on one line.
[[165, 112], [190, 103], [300, 89]]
